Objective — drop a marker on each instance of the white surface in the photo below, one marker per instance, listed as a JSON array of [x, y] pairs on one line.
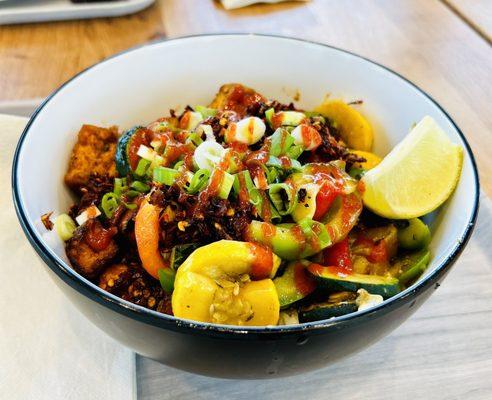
[[25, 11], [47, 349], [146, 74]]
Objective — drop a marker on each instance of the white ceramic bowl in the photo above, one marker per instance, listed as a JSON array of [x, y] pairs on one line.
[[143, 84]]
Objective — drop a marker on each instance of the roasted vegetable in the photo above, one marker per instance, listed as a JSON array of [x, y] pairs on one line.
[[410, 266], [415, 236], [332, 279], [339, 303], [91, 248], [355, 130], [126, 151], [228, 282], [294, 284]]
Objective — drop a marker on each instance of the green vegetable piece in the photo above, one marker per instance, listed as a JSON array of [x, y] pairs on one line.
[[415, 236], [294, 152], [180, 253], [287, 289], [199, 181], [385, 286], [121, 156], [140, 187], [65, 226], [289, 241], [206, 111], [338, 304], [195, 138], [142, 167], [268, 115], [164, 175], [226, 185], [411, 266], [109, 204], [166, 279], [283, 197], [281, 142], [120, 186]]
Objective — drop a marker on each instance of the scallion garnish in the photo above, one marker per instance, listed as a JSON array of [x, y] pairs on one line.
[[109, 204], [164, 175]]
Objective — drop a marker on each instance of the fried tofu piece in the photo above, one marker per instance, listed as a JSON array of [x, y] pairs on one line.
[[91, 248], [236, 97], [92, 154]]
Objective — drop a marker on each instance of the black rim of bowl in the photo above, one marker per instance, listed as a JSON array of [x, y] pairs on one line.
[[83, 286]]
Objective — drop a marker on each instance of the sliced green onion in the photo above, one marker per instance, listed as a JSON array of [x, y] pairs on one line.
[[195, 138], [241, 178], [272, 175], [294, 151], [132, 194], [130, 206], [120, 186], [281, 142], [275, 217], [180, 253], [166, 278], [315, 230], [178, 165], [268, 115], [140, 187], [255, 198], [199, 181], [295, 164], [283, 197], [65, 226], [109, 204], [164, 175], [206, 111], [226, 185], [274, 162], [142, 167]]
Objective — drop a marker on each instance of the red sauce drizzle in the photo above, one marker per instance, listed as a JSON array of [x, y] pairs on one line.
[[240, 98], [305, 283], [99, 238], [310, 136], [142, 136], [262, 261]]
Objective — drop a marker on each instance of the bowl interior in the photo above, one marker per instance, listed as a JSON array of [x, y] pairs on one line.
[[142, 85]]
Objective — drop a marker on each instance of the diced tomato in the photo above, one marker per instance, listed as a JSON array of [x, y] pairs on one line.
[[338, 255], [324, 200]]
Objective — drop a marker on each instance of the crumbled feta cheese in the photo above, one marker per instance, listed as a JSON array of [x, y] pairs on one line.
[[289, 317], [366, 300], [87, 214]]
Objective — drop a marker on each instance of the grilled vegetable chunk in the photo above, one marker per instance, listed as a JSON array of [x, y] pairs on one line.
[[339, 303], [236, 97], [91, 248], [92, 154]]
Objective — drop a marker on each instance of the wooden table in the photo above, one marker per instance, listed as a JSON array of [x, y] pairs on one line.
[[425, 40]]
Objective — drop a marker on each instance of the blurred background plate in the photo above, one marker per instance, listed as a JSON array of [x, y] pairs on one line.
[[26, 11]]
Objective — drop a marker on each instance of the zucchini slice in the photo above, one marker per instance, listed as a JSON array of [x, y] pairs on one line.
[[340, 303], [294, 284], [411, 266], [329, 278], [125, 142]]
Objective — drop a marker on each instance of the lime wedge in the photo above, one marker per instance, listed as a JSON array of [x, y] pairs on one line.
[[417, 176]]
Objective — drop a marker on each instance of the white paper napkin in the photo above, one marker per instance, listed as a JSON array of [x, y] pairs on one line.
[[47, 349], [231, 4]]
